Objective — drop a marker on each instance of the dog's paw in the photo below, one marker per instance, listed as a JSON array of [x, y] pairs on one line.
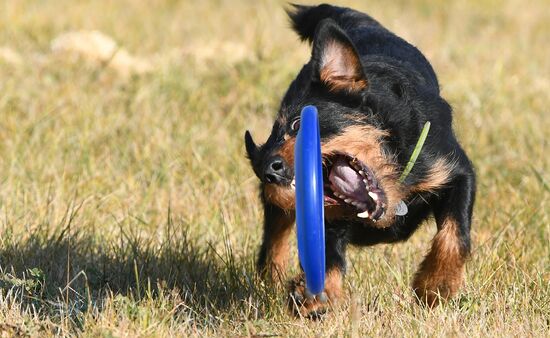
[[431, 290], [304, 304]]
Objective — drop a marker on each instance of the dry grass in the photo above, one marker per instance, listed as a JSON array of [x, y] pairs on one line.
[[128, 208]]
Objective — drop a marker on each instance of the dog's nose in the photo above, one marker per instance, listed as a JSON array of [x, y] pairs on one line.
[[276, 171]]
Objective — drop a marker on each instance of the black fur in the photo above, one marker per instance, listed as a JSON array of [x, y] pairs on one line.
[[401, 95]]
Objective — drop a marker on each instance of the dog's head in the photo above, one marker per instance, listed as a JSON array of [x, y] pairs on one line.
[[363, 109]]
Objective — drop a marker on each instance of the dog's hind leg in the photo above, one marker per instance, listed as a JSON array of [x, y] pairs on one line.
[[441, 273]]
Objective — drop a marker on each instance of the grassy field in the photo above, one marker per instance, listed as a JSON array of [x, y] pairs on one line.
[[127, 207]]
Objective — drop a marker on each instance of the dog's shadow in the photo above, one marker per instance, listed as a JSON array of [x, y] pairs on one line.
[[83, 271]]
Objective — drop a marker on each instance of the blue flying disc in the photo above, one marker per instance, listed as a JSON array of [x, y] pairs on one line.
[[310, 216]]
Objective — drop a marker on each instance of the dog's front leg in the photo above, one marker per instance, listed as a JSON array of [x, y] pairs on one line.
[[441, 273], [308, 306], [274, 251]]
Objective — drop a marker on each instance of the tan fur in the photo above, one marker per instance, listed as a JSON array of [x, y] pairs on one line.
[[307, 307], [333, 285], [287, 150], [279, 247], [440, 274], [341, 69], [438, 176], [281, 196]]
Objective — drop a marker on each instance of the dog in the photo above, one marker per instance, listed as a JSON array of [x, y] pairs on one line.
[[374, 92]]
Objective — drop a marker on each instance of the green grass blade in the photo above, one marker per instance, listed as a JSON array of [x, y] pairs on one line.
[[416, 152]]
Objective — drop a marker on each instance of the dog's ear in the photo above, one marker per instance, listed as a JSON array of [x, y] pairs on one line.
[[251, 147], [335, 60]]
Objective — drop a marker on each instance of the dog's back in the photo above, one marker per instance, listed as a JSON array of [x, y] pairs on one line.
[[370, 38]]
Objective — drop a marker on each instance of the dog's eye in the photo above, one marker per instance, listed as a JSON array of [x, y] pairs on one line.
[[295, 125]]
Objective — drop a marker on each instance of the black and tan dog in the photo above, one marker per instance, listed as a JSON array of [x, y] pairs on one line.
[[374, 92]]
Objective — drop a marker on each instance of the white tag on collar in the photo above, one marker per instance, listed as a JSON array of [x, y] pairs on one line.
[[401, 209]]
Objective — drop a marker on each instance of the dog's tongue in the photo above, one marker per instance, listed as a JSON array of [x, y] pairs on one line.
[[348, 181]]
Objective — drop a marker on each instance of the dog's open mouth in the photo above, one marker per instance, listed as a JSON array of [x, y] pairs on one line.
[[350, 182]]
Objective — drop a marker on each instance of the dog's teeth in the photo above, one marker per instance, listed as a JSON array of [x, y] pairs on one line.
[[355, 203], [348, 200], [361, 172], [364, 214], [373, 195]]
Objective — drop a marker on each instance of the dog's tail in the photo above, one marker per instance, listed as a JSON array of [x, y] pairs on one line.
[[304, 19]]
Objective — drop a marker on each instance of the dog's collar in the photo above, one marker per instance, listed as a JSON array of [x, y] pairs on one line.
[[416, 151]]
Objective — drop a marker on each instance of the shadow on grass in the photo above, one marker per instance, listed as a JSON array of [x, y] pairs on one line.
[[80, 272]]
